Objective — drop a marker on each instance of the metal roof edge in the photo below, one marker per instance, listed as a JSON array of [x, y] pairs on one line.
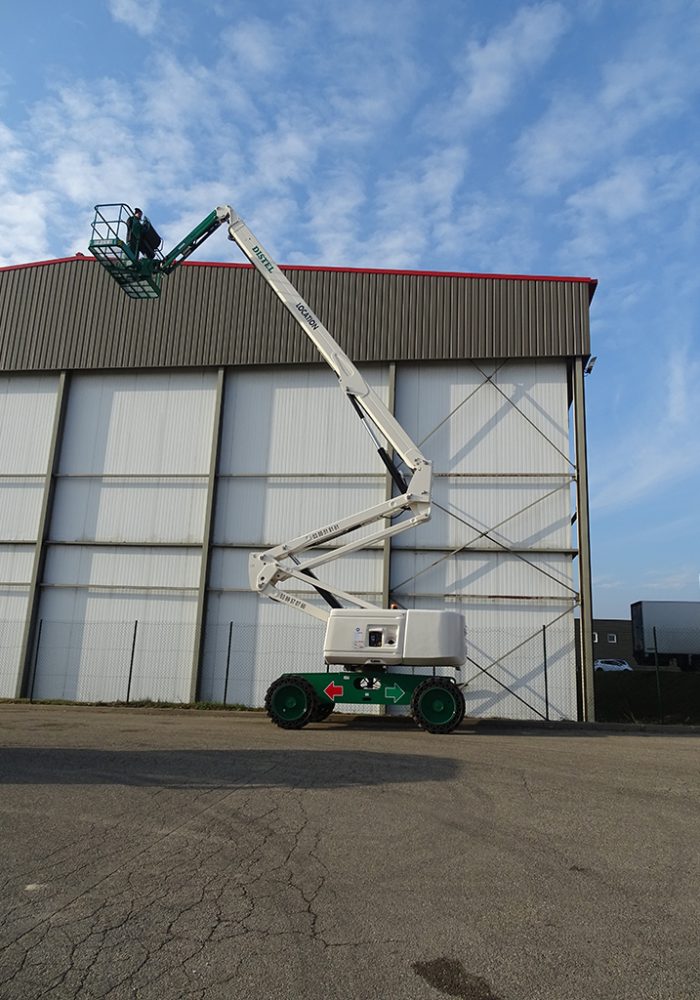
[[592, 282]]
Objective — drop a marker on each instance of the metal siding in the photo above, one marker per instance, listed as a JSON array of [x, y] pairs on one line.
[[139, 424], [27, 407], [267, 511], [358, 573], [294, 421], [86, 644], [289, 429], [117, 568], [293, 456], [71, 315], [128, 511], [133, 472], [503, 481], [490, 575]]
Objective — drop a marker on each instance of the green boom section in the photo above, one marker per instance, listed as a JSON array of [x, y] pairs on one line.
[[190, 242]]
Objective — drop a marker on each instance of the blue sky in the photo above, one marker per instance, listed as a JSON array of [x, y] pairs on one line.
[[540, 138]]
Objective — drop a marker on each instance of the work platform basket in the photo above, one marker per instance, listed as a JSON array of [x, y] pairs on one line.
[[110, 245]]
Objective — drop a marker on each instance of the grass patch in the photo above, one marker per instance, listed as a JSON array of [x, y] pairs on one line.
[[202, 706]]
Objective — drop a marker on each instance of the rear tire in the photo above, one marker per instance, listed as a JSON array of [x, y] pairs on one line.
[[291, 702]]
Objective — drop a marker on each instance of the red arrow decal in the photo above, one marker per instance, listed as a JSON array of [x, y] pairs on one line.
[[334, 690]]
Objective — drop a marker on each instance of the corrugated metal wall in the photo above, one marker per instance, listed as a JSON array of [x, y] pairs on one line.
[[499, 544], [293, 456], [27, 410], [126, 537], [126, 580], [71, 315]]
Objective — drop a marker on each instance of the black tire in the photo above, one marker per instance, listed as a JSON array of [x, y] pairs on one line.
[[438, 705], [291, 702], [322, 710]]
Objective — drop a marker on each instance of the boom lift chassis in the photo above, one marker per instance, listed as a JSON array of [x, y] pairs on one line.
[[364, 644]]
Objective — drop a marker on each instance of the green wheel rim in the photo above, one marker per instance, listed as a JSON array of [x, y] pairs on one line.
[[289, 701], [438, 706]]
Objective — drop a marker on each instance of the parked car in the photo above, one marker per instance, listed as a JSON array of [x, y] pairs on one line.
[[611, 665]]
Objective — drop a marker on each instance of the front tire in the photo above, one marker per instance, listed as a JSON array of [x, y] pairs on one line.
[[438, 705]]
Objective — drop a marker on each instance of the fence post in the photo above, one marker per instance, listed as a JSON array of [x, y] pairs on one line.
[[228, 660], [36, 658], [131, 662], [546, 683], [658, 677]]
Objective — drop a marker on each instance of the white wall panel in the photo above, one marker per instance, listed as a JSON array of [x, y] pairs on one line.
[[13, 611], [116, 567], [20, 507], [470, 426], [357, 572], [86, 642], [465, 573], [16, 563], [268, 640], [517, 439], [295, 420], [283, 427], [27, 407], [143, 426], [274, 510], [497, 512], [129, 511], [27, 410], [130, 423]]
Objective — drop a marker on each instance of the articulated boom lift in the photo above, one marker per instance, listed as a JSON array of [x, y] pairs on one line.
[[361, 639]]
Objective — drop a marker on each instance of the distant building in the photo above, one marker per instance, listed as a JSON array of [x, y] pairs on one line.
[[612, 637]]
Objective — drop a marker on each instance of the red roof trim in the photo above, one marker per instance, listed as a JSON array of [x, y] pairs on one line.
[[351, 270], [42, 263]]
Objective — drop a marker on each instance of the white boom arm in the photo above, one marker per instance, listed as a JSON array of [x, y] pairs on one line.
[[270, 568]]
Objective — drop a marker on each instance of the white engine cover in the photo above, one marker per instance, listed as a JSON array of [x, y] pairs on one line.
[[388, 637]]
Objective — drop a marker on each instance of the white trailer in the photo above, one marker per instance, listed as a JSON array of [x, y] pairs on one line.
[[668, 629]]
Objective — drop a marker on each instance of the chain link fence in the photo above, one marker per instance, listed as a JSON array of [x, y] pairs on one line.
[[678, 648], [520, 673]]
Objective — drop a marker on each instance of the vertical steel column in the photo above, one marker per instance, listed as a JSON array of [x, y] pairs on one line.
[[30, 622], [388, 487], [584, 542], [205, 561]]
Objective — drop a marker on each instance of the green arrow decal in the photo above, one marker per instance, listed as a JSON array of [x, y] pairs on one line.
[[394, 692]]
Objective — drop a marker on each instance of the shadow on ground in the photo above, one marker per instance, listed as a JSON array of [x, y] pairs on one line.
[[203, 769]]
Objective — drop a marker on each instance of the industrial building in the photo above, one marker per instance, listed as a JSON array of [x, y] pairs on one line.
[[146, 448]]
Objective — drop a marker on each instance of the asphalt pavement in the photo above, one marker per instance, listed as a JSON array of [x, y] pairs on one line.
[[159, 854]]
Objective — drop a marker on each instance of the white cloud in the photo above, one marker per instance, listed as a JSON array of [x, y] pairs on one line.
[[641, 89], [335, 208], [23, 227], [491, 71], [141, 15], [615, 223], [660, 447], [257, 46]]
